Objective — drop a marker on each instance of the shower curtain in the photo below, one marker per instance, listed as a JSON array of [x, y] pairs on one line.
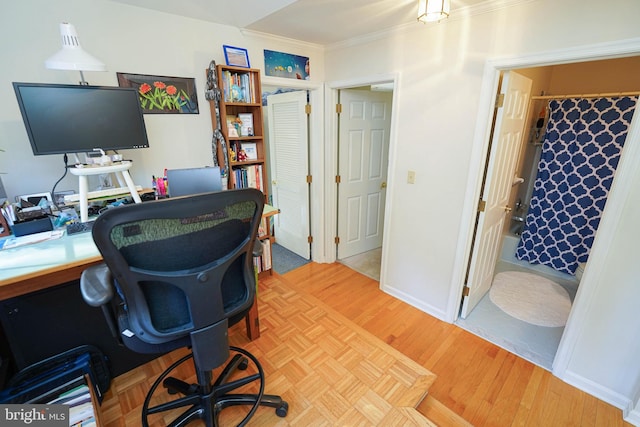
[[580, 153]]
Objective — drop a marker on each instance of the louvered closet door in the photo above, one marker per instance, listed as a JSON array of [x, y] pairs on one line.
[[288, 153]]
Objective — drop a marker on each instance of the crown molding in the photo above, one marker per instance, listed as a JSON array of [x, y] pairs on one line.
[[273, 37]]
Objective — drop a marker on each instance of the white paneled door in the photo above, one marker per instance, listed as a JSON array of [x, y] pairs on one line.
[[288, 153], [362, 166], [507, 137]]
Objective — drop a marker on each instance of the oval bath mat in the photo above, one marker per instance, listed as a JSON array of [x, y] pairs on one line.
[[531, 298]]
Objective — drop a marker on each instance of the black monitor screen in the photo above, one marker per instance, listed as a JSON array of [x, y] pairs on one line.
[[76, 118]]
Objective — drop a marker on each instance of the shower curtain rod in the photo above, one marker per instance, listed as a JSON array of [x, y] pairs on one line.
[[586, 95]]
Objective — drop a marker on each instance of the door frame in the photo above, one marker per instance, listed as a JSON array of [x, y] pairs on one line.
[[331, 155], [620, 189], [317, 167]]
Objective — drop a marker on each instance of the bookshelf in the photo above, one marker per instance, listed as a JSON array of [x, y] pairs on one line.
[[241, 124]]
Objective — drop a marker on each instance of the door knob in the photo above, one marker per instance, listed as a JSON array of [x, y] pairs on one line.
[[383, 185], [507, 209]]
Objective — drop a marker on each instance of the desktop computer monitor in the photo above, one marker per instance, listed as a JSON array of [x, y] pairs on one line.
[[184, 182]]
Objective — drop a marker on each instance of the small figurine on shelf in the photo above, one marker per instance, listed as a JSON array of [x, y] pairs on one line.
[[242, 155], [237, 123], [232, 154]]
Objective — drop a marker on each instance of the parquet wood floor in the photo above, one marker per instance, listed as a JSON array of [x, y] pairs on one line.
[[329, 370], [476, 380], [482, 383]]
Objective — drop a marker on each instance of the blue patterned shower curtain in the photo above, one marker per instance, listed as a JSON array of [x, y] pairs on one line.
[[580, 153]]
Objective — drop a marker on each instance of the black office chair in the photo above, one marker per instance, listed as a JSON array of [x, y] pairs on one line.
[[178, 273]]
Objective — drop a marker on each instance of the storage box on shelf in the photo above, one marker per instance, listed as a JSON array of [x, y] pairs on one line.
[[241, 124]]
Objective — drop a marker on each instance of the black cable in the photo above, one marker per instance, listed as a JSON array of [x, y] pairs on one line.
[[53, 190]]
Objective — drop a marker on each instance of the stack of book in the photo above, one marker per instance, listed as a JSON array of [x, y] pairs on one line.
[[81, 410], [249, 177], [238, 87], [263, 262]]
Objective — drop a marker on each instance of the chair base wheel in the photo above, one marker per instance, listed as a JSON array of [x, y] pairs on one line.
[[282, 410], [206, 401]]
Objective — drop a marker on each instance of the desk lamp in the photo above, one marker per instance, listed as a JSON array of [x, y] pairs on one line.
[[72, 56]]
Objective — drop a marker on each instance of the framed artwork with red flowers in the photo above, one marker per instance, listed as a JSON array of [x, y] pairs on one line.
[[162, 94]]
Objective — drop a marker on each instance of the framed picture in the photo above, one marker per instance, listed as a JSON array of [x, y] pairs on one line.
[[236, 56], [280, 64], [162, 94], [246, 124], [250, 150]]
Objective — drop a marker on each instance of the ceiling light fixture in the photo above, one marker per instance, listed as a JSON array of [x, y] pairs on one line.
[[433, 10], [72, 56]]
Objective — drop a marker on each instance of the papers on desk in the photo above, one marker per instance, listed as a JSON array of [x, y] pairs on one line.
[[14, 242]]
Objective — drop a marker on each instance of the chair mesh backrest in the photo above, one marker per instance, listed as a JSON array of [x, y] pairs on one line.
[[182, 264]]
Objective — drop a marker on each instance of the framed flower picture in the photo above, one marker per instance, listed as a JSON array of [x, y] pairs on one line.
[[162, 94]]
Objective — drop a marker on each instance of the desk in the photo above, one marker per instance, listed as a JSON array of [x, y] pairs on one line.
[[43, 265], [46, 275]]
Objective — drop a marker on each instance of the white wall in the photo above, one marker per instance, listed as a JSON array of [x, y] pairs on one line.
[[127, 39], [440, 69]]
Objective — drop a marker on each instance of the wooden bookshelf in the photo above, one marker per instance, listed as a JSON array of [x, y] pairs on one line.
[[241, 124]]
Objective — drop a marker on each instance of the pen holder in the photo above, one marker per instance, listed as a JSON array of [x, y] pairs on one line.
[[37, 225]]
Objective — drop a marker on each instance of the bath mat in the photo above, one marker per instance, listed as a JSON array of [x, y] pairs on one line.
[[531, 298]]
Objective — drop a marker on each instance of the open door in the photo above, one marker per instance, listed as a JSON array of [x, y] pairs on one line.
[[289, 166], [499, 173], [365, 124]]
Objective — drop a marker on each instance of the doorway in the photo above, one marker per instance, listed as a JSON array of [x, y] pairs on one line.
[[313, 119], [362, 162], [539, 344]]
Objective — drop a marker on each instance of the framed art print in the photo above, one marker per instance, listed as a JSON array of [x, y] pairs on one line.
[[236, 56], [163, 94], [289, 66]]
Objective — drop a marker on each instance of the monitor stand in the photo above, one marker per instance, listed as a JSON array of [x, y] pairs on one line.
[[122, 173]]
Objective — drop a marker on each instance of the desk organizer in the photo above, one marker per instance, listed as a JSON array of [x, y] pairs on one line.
[[30, 227]]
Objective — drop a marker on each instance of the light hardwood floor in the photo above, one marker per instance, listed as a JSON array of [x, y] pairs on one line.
[[480, 382]]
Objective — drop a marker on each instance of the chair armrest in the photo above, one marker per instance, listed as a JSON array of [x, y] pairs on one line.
[[96, 285], [257, 248]]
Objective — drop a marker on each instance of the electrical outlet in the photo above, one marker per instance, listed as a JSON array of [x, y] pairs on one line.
[[411, 177]]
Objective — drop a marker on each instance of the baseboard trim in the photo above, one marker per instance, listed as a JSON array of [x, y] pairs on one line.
[[421, 305], [603, 393], [633, 417]]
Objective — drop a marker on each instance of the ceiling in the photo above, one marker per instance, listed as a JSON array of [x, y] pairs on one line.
[[322, 22]]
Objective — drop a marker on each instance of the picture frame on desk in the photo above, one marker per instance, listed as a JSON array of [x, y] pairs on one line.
[[236, 56]]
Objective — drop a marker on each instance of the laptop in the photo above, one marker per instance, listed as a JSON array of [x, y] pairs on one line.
[[184, 182]]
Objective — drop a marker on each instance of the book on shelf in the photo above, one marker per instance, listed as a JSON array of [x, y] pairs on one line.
[[238, 87], [263, 262], [249, 177], [262, 228]]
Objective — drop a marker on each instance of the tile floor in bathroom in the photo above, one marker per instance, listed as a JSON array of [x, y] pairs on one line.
[[537, 344]]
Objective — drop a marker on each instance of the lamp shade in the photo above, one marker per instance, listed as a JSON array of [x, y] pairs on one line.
[[433, 10], [72, 56]]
